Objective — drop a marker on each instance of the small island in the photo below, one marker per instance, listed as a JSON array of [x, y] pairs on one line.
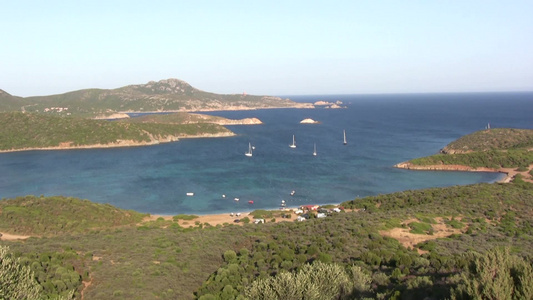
[[309, 121], [326, 104]]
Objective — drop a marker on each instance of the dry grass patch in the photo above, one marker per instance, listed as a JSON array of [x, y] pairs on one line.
[[409, 240]]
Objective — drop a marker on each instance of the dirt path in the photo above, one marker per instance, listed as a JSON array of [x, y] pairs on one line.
[[409, 240], [12, 237]]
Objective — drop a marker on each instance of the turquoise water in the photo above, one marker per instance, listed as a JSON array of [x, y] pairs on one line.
[[381, 131]]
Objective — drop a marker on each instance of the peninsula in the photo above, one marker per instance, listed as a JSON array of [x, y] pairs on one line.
[[28, 131], [503, 150]]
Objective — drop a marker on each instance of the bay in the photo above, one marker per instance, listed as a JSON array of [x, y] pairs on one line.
[[382, 130]]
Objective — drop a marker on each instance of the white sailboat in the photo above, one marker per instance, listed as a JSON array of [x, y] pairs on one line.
[[293, 145], [249, 153], [344, 133], [314, 152]]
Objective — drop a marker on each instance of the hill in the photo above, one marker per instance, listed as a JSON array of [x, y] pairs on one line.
[[493, 139], [25, 131], [496, 150], [164, 95]]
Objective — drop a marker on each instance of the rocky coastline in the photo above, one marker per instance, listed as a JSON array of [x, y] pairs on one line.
[[510, 173]]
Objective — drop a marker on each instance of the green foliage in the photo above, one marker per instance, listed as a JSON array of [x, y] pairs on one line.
[[16, 280], [60, 215], [184, 217], [496, 274], [313, 281], [493, 139], [455, 224], [420, 228], [489, 159]]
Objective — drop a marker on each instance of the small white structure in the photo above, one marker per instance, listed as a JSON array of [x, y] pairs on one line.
[[298, 211], [300, 219], [321, 215], [258, 221], [238, 214], [336, 209]]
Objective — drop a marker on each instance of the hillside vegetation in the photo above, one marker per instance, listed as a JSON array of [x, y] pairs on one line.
[[164, 95], [164, 260], [494, 148], [188, 118], [31, 131], [59, 215], [493, 139]]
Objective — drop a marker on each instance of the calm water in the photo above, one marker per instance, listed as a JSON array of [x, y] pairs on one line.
[[381, 131]]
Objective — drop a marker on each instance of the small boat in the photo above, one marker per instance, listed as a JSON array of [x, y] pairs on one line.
[[344, 132], [236, 199], [282, 203], [223, 196], [251, 202], [190, 194], [293, 145], [314, 152], [293, 192], [249, 153]]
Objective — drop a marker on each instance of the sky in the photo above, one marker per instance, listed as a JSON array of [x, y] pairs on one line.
[[268, 47]]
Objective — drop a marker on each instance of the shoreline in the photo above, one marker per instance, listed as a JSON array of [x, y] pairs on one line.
[[122, 143], [510, 173], [221, 218]]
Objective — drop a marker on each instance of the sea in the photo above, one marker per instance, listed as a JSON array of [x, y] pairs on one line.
[[381, 131]]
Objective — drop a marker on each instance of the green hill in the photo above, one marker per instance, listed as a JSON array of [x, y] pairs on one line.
[[494, 148], [493, 139], [60, 215], [164, 95], [32, 131]]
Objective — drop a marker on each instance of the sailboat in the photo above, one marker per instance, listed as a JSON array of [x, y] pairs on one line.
[[249, 153], [314, 152], [293, 145], [344, 132]]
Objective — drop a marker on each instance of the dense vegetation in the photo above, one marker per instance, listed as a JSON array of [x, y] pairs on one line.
[[490, 159], [493, 139], [495, 148], [164, 260], [164, 95], [24, 130], [61, 215]]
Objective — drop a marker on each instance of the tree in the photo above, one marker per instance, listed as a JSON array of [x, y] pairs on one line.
[[496, 275], [318, 281], [16, 281]]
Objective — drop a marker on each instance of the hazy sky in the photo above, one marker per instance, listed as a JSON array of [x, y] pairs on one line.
[[268, 47]]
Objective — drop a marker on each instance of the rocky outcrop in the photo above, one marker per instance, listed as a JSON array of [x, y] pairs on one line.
[[308, 121], [410, 166], [326, 104], [246, 121]]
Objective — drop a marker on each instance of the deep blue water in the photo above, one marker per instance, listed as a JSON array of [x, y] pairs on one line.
[[382, 130]]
